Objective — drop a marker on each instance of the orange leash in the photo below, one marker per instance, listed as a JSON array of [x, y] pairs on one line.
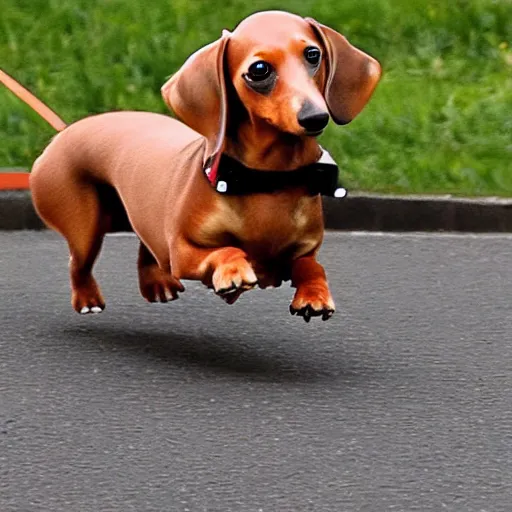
[[25, 95]]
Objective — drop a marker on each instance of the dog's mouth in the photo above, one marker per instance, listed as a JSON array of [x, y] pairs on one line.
[[316, 133]]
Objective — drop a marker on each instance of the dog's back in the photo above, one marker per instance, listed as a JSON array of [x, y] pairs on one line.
[[107, 145]]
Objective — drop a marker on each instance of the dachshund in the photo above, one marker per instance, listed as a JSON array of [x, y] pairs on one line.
[[229, 193]]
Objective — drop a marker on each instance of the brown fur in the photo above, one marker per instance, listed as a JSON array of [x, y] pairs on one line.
[[148, 168]]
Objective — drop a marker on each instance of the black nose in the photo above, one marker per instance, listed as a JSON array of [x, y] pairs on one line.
[[312, 118]]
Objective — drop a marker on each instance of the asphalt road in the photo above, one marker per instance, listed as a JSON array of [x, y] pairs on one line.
[[401, 402]]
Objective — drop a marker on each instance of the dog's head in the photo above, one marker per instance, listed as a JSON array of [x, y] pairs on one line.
[[286, 71]]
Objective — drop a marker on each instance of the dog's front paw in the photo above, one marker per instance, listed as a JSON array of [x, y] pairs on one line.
[[313, 300], [231, 279]]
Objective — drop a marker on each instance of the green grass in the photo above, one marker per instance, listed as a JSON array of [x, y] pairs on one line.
[[440, 121]]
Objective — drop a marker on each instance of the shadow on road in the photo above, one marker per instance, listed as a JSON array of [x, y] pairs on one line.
[[245, 358]]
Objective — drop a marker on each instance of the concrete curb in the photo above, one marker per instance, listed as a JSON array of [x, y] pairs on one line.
[[17, 211], [365, 212], [357, 212]]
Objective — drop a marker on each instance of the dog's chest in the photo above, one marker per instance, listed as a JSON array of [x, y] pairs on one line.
[[265, 225]]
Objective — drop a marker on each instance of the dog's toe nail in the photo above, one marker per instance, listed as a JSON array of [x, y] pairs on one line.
[[96, 309], [85, 310], [327, 314], [227, 291]]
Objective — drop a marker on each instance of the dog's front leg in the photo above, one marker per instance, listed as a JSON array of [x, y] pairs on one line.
[[312, 297], [156, 282], [226, 270]]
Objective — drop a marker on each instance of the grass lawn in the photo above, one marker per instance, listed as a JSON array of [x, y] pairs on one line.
[[440, 121]]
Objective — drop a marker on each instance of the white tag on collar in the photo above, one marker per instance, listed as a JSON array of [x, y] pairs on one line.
[[222, 186], [340, 192]]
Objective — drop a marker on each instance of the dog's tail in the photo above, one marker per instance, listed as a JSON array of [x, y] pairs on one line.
[[25, 95]]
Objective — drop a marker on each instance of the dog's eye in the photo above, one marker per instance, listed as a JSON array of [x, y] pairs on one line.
[[259, 71], [312, 55]]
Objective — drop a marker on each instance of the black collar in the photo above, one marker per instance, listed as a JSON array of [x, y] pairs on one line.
[[231, 177]]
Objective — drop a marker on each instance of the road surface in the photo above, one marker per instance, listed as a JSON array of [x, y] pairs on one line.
[[401, 402]]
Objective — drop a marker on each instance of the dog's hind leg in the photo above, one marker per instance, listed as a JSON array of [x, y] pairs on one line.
[[86, 296], [73, 207], [156, 284]]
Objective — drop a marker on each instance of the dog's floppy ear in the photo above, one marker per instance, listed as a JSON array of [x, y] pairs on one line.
[[197, 93], [352, 75]]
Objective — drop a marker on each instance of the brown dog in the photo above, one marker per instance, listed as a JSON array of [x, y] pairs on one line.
[[232, 196]]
